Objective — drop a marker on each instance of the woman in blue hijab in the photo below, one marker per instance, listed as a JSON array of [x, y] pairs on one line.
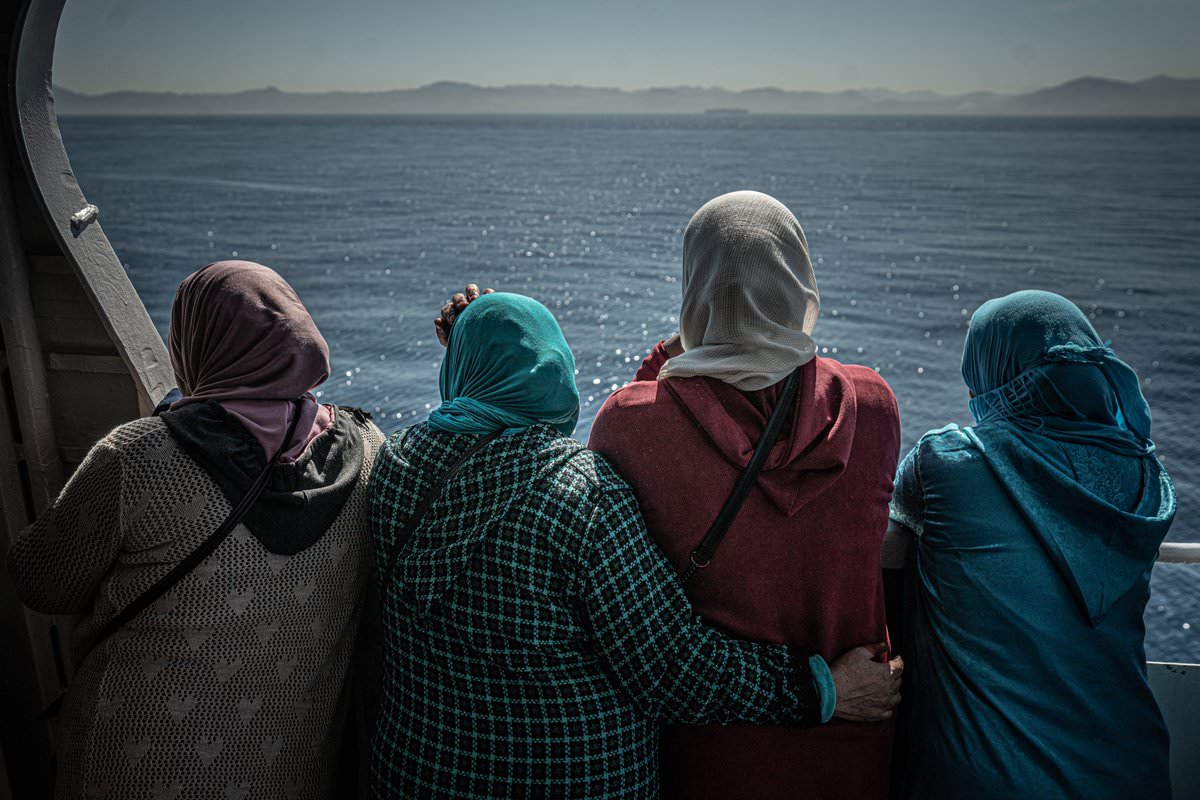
[[534, 637], [1036, 531]]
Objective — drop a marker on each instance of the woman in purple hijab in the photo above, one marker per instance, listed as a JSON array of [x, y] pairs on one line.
[[241, 337], [231, 683]]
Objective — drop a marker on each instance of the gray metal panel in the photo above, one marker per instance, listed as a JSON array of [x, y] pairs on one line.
[[29, 673], [23, 347], [1177, 689]]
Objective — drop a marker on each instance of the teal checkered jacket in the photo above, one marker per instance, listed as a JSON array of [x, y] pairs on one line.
[[534, 636]]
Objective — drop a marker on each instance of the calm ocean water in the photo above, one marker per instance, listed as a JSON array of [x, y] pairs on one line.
[[912, 224]]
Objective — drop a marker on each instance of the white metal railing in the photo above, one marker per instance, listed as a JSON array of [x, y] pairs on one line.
[[1179, 553]]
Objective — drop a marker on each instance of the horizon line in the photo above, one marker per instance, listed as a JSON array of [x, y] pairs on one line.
[[650, 88]]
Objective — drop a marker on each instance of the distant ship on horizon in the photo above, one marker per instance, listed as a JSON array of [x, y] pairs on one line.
[[726, 111]]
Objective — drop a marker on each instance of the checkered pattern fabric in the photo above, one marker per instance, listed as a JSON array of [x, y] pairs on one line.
[[534, 636]]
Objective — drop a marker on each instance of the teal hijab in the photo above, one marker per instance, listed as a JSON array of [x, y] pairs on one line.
[[1033, 360], [507, 367], [1044, 384]]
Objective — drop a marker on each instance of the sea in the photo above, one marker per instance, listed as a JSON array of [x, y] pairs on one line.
[[912, 223]]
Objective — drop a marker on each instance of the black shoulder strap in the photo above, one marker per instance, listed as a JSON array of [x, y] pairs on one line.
[[702, 556], [206, 548], [431, 495], [193, 559]]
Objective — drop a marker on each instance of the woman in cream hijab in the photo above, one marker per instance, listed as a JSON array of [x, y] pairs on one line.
[[799, 564], [750, 298]]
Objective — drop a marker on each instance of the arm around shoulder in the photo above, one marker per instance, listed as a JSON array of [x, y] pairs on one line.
[[673, 666]]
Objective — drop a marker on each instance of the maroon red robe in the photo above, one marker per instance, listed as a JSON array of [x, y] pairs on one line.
[[800, 564]]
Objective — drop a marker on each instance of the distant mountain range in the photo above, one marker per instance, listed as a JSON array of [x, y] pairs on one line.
[[1157, 96]]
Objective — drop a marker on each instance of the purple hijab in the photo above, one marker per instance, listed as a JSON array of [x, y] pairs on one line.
[[240, 336]]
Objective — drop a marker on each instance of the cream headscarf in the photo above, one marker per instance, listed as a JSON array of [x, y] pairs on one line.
[[749, 294]]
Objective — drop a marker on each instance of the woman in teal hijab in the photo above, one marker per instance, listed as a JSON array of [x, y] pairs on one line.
[[1036, 531], [507, 367]]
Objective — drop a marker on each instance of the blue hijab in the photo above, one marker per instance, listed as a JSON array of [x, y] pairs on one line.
[[508, 367], [1042, 381]]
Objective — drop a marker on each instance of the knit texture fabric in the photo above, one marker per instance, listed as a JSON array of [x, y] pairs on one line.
[[534, 637], [229, 685]]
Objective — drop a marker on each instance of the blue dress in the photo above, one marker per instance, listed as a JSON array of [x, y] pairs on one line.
[[1026, 674]]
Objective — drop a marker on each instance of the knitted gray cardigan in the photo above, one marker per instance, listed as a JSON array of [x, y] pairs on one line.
[[229, 685]]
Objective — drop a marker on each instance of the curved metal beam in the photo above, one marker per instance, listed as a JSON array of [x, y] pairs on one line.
[[82, 240]]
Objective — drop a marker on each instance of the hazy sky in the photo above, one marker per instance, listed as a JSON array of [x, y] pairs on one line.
[[306, 45]]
